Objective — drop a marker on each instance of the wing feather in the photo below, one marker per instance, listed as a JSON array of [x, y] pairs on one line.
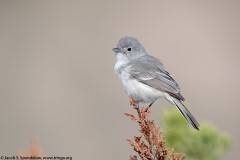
[[154, 75]]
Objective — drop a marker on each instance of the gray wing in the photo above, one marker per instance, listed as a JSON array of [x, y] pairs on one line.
[[151, 72]]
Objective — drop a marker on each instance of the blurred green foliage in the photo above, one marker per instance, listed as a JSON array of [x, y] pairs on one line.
[[206, 144]]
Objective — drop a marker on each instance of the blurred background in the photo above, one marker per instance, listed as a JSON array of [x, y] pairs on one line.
[[57, 79]]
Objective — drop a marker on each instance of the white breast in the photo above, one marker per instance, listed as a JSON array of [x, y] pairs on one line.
[[134, 88]]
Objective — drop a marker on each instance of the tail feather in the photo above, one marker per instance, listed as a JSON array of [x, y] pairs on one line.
[[186, 113]]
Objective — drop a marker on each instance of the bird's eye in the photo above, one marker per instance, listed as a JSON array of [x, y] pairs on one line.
[[129, 49]]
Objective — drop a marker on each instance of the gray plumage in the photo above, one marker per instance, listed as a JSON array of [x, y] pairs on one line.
[[145, 79]]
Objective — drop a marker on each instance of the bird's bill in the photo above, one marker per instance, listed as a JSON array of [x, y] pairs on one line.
[[116, 50]]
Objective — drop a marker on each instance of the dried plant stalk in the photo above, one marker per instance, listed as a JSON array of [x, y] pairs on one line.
[[150, 145], [34, 151]]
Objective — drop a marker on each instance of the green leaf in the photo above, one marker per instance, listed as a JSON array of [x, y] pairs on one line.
[[206, 144]]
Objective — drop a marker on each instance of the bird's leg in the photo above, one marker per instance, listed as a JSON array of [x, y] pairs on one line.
[[149, 106]]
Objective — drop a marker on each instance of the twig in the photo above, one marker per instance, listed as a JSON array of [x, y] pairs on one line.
[[150, 145]]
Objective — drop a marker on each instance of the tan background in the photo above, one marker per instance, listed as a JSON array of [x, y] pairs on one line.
[[57, 82]]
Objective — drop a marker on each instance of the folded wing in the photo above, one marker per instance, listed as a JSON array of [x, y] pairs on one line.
[[154, 75]]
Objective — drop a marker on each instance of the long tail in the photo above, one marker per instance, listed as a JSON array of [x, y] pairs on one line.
[[185, 112]]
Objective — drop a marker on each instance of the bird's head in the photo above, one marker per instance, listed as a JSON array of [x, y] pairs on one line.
[[130, 48]]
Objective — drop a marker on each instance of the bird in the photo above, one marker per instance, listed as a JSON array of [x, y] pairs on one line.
[[145, 79]]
